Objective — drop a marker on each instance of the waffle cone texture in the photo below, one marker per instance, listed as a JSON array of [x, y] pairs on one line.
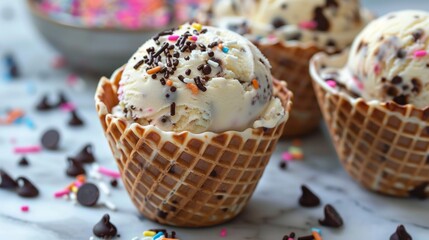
[[383, 146], [186, 179], [291, 63]]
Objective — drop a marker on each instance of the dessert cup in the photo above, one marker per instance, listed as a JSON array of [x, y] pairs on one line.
[[182, 178], [382, 145]]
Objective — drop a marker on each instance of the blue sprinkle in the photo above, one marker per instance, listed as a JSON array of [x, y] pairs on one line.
[[19, 120], [158, 236], [318, 230], [29, 123], [225, 49]]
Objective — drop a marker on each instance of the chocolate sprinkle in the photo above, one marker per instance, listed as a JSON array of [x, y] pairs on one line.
[[173, 109], [206, 69], [200, 86], [332, 218], [138, 64], [401, 234], [188, 72], [417, 34], [114, 183], [308, 198]]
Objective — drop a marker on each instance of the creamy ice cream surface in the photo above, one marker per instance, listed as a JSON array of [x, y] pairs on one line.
[[389, 60], [197, 78], [329, 24]]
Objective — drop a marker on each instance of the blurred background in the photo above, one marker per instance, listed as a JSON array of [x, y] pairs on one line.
[[100, 35]]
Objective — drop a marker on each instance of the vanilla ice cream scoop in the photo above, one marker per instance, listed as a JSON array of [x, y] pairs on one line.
[[389, 60], [197, 78], [329, 24]]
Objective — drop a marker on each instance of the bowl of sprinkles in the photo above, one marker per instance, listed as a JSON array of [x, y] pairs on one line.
[[98, 35]]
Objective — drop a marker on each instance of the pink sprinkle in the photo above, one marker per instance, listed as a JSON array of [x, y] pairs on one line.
[[78, 184], [108, 172], [420, 53], [173, 37], [25, 208], [377, 69], [308, 25], [58, 62], [287, 156], [61, 193], [72, 79], [27, 149], [67, 107], [331, 83], [223, 232]]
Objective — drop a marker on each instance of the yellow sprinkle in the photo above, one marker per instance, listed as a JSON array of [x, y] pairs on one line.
[[74, 189], [197, 26], [149, 233], [255, 84]]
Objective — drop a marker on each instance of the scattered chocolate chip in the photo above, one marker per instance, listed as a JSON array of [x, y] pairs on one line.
[[23, 162], [88, 194], [50, 139], [44, 104], [6, 181], [86, 154], [104, 228], [419, 191], [75, 168], [332, 218], [114, 183], [75, 119], [62, 99], [26, 188], [278, 22], [401, 234], [283, 165], [308, 198]]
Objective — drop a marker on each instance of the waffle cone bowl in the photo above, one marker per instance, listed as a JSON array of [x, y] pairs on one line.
[[291, 63], [383, 146], [186, 179]]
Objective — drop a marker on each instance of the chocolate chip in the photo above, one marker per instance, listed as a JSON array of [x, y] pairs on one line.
[[401, 54], [419, 191], [88, 194], [44, 104], [397, 80], [6, 181], [332, 218], [322, 22], [308, 198], [23, 162], [417, 34], [283, 165], [401, 234], [62, 99], [26, 188], [50, 139], [75, 119], [104, 228], [114, 183], [401, 100], [74, 168], [278, 22], [86, 154]]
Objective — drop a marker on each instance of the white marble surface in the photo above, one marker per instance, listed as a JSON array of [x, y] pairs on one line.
[[272, 212]]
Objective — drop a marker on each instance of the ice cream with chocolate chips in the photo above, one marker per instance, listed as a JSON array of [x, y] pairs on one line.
[[329, 24], [389, 59], [197, 78]]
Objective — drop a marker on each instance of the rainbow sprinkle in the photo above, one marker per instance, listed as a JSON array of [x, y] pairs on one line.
[[420, 53]]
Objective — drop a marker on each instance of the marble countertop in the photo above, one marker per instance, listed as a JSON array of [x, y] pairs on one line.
[[272, 212]]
